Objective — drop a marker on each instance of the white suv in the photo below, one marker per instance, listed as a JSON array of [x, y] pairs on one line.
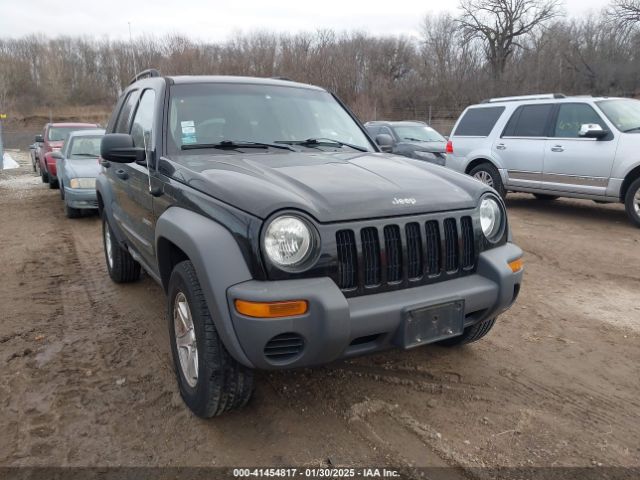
[[553, 146]]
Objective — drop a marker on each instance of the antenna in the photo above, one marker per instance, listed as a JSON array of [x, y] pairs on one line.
[[133, 52]]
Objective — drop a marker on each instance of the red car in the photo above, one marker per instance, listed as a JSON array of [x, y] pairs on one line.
[[52, 139]]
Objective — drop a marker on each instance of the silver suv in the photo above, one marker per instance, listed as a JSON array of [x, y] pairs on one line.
[[553, 146]]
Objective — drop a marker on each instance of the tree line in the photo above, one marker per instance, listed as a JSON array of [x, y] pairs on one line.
[[493, 47]]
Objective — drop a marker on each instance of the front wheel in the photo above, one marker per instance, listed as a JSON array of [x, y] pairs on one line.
[[210, 380], [44, 176], [53, 183], [489, 175], [471, 334], [121, 266], [632, 202]]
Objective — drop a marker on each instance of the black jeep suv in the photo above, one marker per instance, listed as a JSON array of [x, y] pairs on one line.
[[284, 238]]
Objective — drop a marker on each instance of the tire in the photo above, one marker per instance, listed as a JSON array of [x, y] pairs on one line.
[[221, 383], [71, 212], [44, 175], [122, 267], [471, 334], [61, 186], [632, 202], [489, 175], [545, 198], [53, 183]]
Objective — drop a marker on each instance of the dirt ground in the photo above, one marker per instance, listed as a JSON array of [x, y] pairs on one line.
[[86, 376]]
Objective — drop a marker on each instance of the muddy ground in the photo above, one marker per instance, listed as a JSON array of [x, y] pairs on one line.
[[86, 376]]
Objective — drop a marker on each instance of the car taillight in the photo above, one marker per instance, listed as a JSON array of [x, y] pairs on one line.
[[449, 148]]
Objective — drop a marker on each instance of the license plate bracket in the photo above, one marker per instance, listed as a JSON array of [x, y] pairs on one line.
[[433, 323]]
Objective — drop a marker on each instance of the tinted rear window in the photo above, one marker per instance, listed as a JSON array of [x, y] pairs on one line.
[[529, 121], [478, 122]]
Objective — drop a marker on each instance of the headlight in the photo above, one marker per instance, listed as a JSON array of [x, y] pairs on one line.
[[288, 241], [82, 183], [491, 218]]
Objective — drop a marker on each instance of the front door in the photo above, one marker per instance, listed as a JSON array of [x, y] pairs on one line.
[[135, 199], [574, 164]]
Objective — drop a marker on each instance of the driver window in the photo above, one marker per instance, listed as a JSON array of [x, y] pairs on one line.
[[141, 127], [571, 116]]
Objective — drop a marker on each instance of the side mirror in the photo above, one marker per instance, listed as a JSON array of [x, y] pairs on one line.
[[119, 148], [385, 142], [56, 155], [592, 130], [39, 139]]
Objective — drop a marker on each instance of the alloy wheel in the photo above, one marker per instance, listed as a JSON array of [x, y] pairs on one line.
[[108, 245], [484, 177], [185, 339]]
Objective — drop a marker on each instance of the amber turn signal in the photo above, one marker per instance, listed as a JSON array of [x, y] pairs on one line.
[[272, 309], [516, 265]]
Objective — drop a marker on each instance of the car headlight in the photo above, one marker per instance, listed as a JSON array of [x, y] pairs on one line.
[[288, 241], [82, 183], [491, 218]]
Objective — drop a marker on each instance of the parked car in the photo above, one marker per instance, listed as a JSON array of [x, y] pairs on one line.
[[411, 139], [77, 168], [553, 146], [284, 238], [51, 140]]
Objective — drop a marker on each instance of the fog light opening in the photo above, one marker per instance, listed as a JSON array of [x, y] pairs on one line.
[[288, 308]]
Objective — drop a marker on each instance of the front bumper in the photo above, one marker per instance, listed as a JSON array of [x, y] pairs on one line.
[[338, 327], [81, 197]]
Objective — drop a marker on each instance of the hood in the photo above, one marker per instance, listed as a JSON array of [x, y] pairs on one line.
[[85, 168], [55, 145], [433, 147], [331, 187]]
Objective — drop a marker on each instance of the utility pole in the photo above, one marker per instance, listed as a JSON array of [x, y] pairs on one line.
[[133, 51], [2, 117]]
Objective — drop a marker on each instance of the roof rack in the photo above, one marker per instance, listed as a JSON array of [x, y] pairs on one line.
[[544, 96], [151, 72], [286, 79]]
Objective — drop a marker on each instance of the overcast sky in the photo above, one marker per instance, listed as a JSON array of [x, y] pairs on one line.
[[217, 20]]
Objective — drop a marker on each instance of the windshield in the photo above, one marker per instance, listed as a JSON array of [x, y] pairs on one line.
[[208, 114], [60, 134], [418, 133], [85, 147], [624, 114]]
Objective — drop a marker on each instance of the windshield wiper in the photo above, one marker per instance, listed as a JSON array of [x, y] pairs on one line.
[[310, 142], [631, 130], [234, 144], [92, 155], [411, 139]]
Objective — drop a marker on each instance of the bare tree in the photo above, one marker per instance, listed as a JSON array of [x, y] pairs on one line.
[[500, 25], [625, 12]]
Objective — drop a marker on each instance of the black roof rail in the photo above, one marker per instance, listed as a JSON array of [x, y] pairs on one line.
[[150, 72], [286, 79]]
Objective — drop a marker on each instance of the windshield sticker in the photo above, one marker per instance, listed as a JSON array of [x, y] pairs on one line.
[[188, 132]]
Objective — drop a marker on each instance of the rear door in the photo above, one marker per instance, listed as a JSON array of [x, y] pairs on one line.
[[574, 164], [520, 148], [116, 171]]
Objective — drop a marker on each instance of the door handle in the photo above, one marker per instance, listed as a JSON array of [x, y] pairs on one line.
[[501, 146], [120, 173], [557, 148]]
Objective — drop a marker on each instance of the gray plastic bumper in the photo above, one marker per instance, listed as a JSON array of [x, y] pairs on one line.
[[337, 327]]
